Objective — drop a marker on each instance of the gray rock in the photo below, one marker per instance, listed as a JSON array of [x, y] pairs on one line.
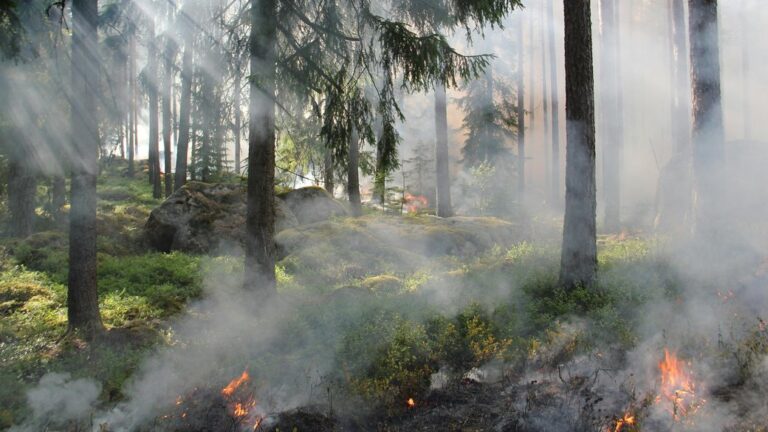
[[313, 204], [202, 217]]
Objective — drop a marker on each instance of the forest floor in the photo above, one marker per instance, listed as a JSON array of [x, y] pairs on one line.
[[485, 341]]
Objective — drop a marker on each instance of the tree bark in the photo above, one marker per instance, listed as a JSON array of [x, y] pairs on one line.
[[546, 96], [152, 78], [554, 85], [380, 179], [612, 143], [82, 294], [58, 197], [328, 172], [168, 59], [531, 76], [182, 145], [22, 189], [132, 103], [238, 122], [442, 158], [353, 176], [708, 135], [260, 216], [208, 121], [745, 67], [578, 265], [520, 112]]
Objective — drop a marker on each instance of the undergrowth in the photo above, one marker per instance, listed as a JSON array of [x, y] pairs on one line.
[[395, 321]]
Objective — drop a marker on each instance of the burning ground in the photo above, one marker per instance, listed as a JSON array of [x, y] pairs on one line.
[[394, 340]]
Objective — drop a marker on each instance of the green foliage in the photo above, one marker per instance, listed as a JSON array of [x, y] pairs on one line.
[[388, 360], [471, 339], [385, 315], [11, 30], [490, 120], [163, 281]]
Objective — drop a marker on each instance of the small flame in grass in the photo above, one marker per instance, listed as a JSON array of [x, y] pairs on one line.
[[414, 203], [411, 403], [234, 384], [678, 387], [242, 409], [241, 403], [627, 420]]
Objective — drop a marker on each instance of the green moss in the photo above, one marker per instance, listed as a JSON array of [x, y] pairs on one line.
[[164, 281], [383, 284]]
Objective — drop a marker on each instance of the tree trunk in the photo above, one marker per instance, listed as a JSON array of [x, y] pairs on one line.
[[22, 191], [328, 172], [520, 112], [745, 82], [531, 77], [578, 265], [442, 158], [208, 123], [353, 179], [238, 126], [168, 59], [546, 96], [58, 197], [681, 111], [152, 78], [194, 126], [554, 86], [610, 110], [260, 217], [82, 294], [380, 179], [708, 136], [182, 145], [132, 104]]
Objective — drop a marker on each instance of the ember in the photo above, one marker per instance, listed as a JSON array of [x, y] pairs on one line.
[[411, 403], [677, 387]]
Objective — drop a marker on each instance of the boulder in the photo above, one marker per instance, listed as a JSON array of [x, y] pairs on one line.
[[202, 217], [318, 255], [312, 204]]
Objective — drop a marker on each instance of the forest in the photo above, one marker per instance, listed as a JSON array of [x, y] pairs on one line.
[[406, 215]]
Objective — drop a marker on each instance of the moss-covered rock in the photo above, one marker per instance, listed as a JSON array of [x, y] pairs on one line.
[[383, 284], [202, 217], [345, 251], [312, 204]]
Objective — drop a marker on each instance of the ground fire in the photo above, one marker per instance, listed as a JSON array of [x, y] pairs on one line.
[[415, 203], [678, 389], [624, 423], [241, 402]]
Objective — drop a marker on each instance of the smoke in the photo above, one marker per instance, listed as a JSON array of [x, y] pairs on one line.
[[716, 308], [58, 399]]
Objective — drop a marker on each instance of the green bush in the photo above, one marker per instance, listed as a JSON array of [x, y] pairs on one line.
[[389, 361]]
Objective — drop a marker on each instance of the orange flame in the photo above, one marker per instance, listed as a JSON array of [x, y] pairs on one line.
[[242, 409], [627, 420], [234, 384], [411, 403], [677, 386], [414, 203]]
